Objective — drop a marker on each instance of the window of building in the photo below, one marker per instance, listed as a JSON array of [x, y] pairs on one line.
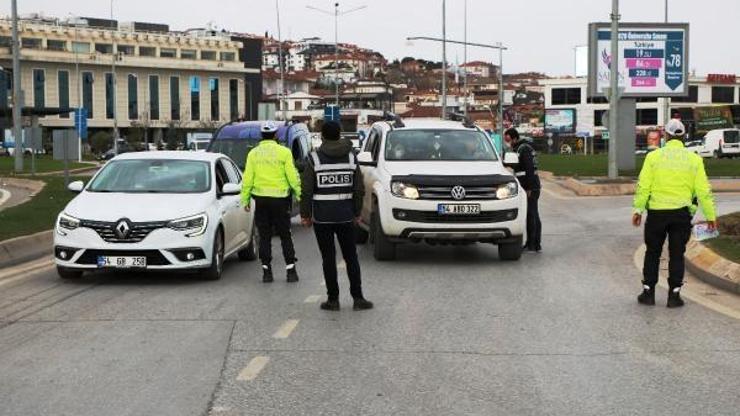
[[562, 96], [195, 98], [56, 45], [228, 56], [80, 47], [133, 97], [597, 100], [5, 88], [31, 43], [6, 42], [234, 99], [298, 105], [692, 98], [104, 48], [153, 97], [646, 117], [63, 91], [128, 50], [213, 86], [725, 95], [168, 53], [87, 93], [39, 88], [188, 54], [110, 97], [208, 55], [599, 118], [147, 51], [175, 98]]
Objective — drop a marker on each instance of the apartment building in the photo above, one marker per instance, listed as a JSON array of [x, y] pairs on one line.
[[162, 79]]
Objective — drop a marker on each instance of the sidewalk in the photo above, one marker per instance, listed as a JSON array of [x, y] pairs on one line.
[[600, 186]]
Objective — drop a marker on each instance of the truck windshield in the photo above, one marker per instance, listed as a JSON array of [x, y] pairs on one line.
[[438, 145], [153, 176]]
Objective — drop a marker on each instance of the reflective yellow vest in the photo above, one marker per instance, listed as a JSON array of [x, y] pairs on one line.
[[270, 172]]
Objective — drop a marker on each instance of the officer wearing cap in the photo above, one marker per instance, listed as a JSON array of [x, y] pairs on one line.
[[332, 201], [269, 178], [672, 178]]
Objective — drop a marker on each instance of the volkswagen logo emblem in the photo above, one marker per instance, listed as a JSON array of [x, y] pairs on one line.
[[122, 229], [458, 193]]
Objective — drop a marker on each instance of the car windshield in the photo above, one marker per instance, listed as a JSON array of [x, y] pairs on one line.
[[732, 136], [442, 145], [236, 149], [153, 176]]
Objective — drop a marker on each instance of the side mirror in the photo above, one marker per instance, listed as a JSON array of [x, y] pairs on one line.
[[511, 159], [76, 186], [366, 159], [230, 189]]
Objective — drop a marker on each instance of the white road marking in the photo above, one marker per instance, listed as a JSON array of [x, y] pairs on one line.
[[312, 299], [23, 271], [4, 196], [253, 369], [286, 329]]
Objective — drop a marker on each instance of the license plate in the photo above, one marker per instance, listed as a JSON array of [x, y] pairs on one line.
[[458, 209], [122, 262]]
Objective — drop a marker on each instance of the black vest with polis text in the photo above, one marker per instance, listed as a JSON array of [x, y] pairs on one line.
[[333, 193]]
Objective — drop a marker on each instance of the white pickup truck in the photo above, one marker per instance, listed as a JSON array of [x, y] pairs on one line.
[[440, 182]]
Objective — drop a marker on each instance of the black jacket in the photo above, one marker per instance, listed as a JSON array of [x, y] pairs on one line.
[[334, 150], [526, 170]]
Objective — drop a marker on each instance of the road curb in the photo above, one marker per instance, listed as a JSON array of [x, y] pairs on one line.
[[712, 268], [26, 248], [581, 188], [32, 186]]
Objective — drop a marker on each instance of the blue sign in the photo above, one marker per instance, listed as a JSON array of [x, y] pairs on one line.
[[331, 113], [81, 122]]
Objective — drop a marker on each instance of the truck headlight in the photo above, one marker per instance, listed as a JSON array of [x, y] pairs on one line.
[[403, 190], [194, 226], [507, 190], [66, 222]]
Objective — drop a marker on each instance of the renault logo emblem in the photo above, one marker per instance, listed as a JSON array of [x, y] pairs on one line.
[[458, 193], [122, 229]]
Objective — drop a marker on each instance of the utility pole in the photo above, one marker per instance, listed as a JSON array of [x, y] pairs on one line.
[[501, 91], [17, 92], [115, 84], [281, 97], [666, 100], [465, 62], [614, 92], [444, 59]]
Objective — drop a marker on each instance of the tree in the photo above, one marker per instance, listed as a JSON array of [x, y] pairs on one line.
[[100, 141]]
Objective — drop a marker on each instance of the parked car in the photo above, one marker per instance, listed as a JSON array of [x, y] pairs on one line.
[[718, 143], [123, 147], [440, 182], [156, 211]]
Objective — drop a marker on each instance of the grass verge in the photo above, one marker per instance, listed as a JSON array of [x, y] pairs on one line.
[[596, 165], [728, 243], [44, 163]]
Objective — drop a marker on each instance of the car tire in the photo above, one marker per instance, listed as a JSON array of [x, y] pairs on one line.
[[361, 235], [68, 274], [383, 248], [510, 251], [249, 253], [217, 263]]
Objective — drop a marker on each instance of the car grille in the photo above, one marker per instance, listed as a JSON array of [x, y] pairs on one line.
[[138, 232], [444, 193], [153, 257], [434, 217]]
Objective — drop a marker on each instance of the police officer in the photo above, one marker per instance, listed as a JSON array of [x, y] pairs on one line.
[[269, 178], [526, 172], [332, 197], [672, 178]]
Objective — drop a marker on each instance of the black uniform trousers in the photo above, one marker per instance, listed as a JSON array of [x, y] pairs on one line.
[[345, 234], [676, 225], [269, 214], [534, 225]]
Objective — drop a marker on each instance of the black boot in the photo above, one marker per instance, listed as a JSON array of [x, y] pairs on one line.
[[362, 305], [292, 274], [330, 305], [674, 298], [648, 296], [267, 274]]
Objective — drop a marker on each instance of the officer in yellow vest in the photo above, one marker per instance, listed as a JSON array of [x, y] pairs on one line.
[[672, 178], [269, 177]]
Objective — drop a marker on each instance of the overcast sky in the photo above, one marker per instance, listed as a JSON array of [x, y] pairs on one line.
[[541, 34]]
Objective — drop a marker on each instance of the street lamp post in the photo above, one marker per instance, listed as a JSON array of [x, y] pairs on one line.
[[281, 95], [114, 54], [465, 61], [444, 59], [666, 100], [614, 91], [17, 92]]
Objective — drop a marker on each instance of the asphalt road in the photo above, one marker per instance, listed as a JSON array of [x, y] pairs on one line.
[[455, 332]]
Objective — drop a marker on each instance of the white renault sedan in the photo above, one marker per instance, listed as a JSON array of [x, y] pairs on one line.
[[156, 211]]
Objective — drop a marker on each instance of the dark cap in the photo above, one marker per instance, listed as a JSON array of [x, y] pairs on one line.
[[331, 130]]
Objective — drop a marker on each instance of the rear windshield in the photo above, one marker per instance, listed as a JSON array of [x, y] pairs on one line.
[[236, 149], [732, 136], [439, 145]]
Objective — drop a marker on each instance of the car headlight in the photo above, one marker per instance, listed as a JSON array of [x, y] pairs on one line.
[[66, 222], [507, 190], [403, 190], [195, 225]]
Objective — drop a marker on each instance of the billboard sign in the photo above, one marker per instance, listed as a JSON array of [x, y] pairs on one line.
[[560, 121], [652, 62], [710, 118]]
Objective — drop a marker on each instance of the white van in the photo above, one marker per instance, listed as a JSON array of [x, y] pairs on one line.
[[721, 143]]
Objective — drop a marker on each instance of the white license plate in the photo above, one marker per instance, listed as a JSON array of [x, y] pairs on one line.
[[458, 209], [122, 262]]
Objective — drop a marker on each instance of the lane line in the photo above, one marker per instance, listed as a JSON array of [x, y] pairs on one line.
[[286, 329], [313, 299], [253, 369], [24, 273], [688, 294]]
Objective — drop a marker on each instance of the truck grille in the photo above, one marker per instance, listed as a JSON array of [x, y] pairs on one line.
[[444, 193], [138, 230]]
